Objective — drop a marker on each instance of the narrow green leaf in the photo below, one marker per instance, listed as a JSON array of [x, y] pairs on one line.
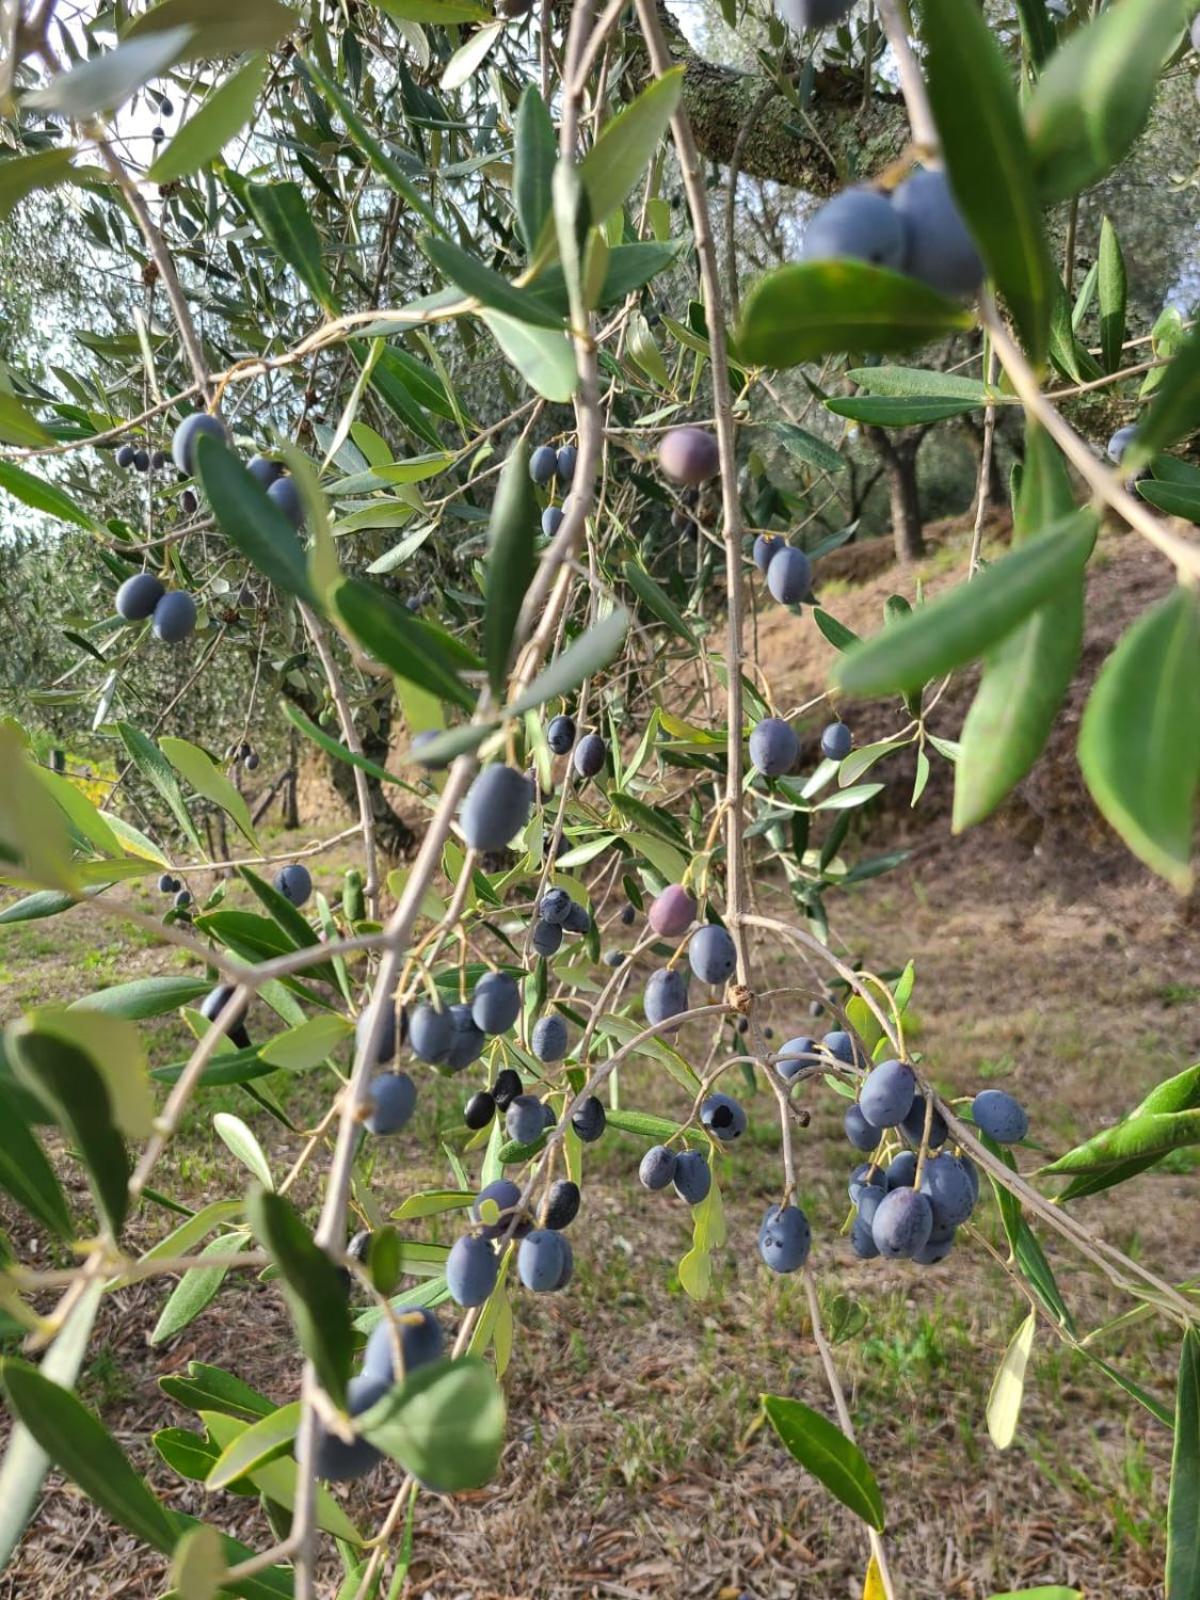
[[196, 1289], [838, 634], [617, 160], [657, 600], [1094, 96], [543, 357], [198, 1565], [26, 1463], [828, 1454], [67, 1080], [898, 411], [1112, 296], [79, 1444], [143, 997], [1139, 741], [1037, 30], [394, 636], [19, 176], [239, 1138], [104, 82], [471, 275], [312, 1287], [454, 742], [155, 768], [224, 113], [642, 1123], [817, 308], [283, 213], [582, 659], [1176, 499], [444, 1424], [331, 746], [1027, 674], [39, 494], [533, 167], [16, 425], [510, 563], [252, 522], [25, 1171], [1008, 1386], [1174, 412], [1143, 1138], [1183, 1504], [966, 620], [438, 13], [219, 28], [306, 1045], [808, 448], [207, 779], [988, 161], [261, 1442], [912, 381]]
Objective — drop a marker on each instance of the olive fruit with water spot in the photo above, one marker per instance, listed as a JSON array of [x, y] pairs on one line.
[[507, 1197], [337, 1461], [479, 1110], [294, 883], [837, 741], [672, 912], [523, 1121], [188, 434], [789, 577], [902, 1170], [793, 1056], [1000, 1116], [540, 1260], [902, 1223], [766, 547], [784, 1238], [546, 937], [430, 1033], [840, 1046], [914, 1124], [138, 596], [214, 1003], [590, 755], [886, 1096], [948, 1188], [692, 1177], [548, 1041], [392, 1097], [665, 995], [264, 471], [858, 224], [496, 1003], [174, 617], [938, 247], [471, 1270], [723, 1117], [561, 1205], [774, 747], [657, 1167], [590, 1120], [506, 1088], [467, 1039], [560, 734], [712, 955], [542, 463], [496, 807], [421, 1341], [689, 455], [555, 906], [858, 1130], [803, 14]]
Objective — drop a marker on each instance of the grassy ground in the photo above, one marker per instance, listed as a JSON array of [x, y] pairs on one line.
[[636, 1464]]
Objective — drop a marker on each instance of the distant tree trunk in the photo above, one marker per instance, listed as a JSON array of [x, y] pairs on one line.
[[393, 834], [899, 457]]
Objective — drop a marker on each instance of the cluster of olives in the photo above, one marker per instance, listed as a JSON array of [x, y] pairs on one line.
[[180, 897], [775, 746], [548, 466]]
